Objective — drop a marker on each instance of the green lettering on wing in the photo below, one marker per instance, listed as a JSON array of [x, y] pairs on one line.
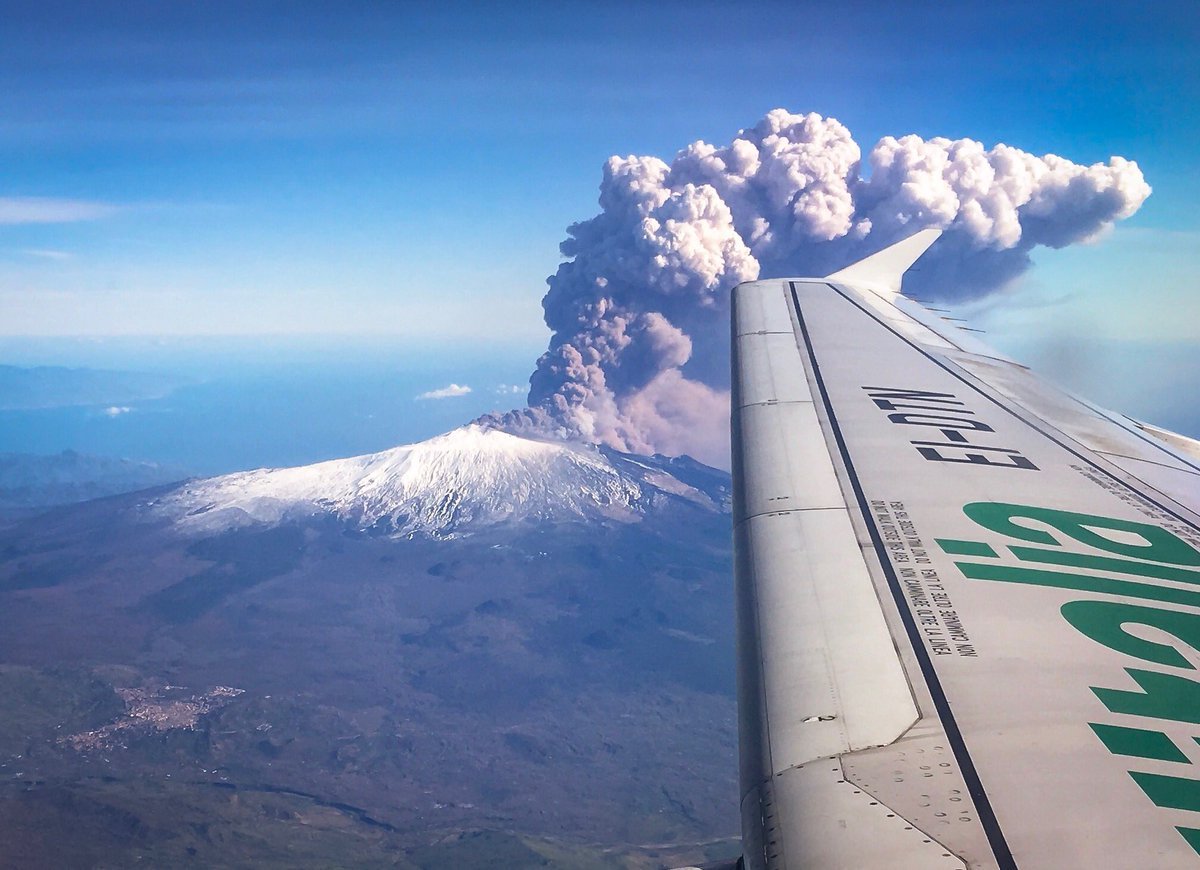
[[1139, 743], [1105, 622], [1159, 544], [1129, 559]]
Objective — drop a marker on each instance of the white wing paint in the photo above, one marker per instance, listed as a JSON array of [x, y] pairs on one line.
[[968, 602]]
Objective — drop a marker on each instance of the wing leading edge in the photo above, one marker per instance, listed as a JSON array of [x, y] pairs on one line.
[[938, 557]]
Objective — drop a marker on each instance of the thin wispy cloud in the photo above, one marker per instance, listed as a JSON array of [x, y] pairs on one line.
[[117, 410], [48, 254], [47, 210], [447, 392]]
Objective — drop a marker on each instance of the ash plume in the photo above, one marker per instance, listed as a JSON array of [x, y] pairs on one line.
[[639, 307]]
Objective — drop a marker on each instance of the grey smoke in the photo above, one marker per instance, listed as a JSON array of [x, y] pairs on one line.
[[638, 359]]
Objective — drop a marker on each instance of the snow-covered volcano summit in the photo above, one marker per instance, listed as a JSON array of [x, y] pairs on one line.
[[466, 479]]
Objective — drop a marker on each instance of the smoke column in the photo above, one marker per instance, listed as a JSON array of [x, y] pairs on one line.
[[639, 307]]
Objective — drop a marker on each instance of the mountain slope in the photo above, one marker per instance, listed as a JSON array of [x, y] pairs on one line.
[[467, 479], [530, 642], [30, 481]]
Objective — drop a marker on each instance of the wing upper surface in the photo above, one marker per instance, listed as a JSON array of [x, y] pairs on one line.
[[939, 556]]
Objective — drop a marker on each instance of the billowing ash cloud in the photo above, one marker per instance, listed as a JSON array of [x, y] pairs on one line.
[[638, 359]]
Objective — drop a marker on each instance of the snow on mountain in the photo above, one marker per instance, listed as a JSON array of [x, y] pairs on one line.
[[468, 478]]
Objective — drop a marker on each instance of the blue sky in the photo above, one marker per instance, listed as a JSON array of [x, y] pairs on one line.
[[409, 169]]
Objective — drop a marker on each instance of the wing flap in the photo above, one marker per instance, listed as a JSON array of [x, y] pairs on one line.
[[763, 375], [787, 465], [833, 681], [874, 835]]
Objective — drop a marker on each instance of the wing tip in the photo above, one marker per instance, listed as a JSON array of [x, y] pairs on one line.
[[884, 270]]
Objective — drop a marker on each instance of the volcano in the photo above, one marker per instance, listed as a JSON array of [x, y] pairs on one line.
[[478, 648], [469, 479]]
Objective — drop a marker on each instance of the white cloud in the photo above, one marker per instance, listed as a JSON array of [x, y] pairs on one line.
[[510, 390], [447, 392], [46, 210], [117, 410], [48, 254]]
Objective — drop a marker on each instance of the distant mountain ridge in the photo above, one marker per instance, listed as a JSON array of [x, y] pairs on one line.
[[23, 388], [467, 479], [30, 481]]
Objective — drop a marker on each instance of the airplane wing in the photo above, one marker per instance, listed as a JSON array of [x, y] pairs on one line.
[[968, 602]]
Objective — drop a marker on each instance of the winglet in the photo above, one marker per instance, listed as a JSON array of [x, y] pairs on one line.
[[883, 271]]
